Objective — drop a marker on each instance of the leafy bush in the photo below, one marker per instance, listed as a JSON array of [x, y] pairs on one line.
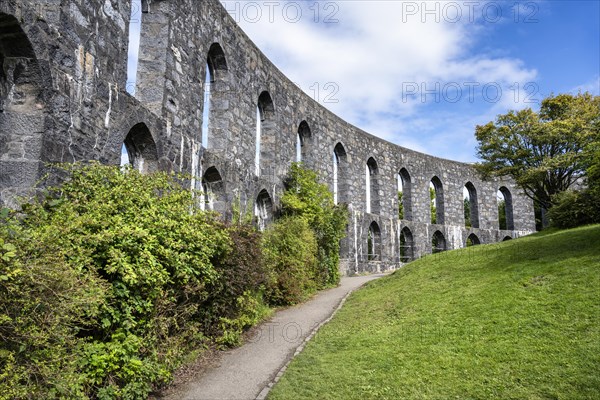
[[109, 281], [574, 209], [290, 251], [115, 267], [234, 301], [44, 302], [312, 201]]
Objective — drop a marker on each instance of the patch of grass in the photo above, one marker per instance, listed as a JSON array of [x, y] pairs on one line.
[[515, 320]]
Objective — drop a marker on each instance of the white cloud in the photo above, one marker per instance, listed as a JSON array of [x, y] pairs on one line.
[[377, 50], [592, 86]]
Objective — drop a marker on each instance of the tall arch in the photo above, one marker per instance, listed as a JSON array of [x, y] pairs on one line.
[[505, 209], [303, 142], [263, 209], [216, 69], [372, 186], [141, 150], [438, 242], [340, 174], [404, 195], [437, 200], [471, 206], [374, 242], [406, 245], [265, 134], [22, 110]]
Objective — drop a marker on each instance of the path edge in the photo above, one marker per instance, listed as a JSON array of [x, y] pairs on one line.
[[265, 391]]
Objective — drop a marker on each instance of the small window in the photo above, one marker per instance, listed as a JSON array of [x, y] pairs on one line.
[[436, 195], [406, 246], [374, 243], [140, 149], [438, 243]]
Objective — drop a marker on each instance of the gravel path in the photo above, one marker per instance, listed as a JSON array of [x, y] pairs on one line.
[[249, 371]]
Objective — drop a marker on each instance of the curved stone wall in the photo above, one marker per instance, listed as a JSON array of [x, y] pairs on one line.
[[78, 109]]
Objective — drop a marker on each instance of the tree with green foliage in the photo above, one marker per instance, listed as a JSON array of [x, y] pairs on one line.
[[306, 197], [545, 152]]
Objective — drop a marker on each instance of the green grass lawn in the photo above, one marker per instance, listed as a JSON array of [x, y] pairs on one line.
[[515, 320]]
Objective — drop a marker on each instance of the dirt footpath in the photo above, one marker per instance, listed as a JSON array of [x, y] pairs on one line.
[[249, 371]]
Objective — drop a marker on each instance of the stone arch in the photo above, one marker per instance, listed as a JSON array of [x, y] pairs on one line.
[[372, 187], [472, 240], [215, 72], [374, 242], [471, 206], [506, 238], [22, 110], [304, 142], [438, 198], [141, 150], [406, 245], [405, 187], [341, 172], [213, 191], [506, 223], [265, 135], [263, 209], [438, 242]]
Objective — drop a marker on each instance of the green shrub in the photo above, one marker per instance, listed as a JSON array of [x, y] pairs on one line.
[[312, 201], [573, 208], [101, 296], [235, 293], [290, 251], [44, 303], [251, 309]]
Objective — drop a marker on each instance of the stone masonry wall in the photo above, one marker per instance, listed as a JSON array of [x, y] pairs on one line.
[[63, 99]]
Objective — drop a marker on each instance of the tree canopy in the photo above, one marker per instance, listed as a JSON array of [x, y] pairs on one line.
[[545, 152]]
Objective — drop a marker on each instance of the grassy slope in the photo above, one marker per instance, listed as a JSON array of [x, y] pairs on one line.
[[516, 320]]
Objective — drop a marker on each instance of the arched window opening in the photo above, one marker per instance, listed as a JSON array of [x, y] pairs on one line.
[[506, 239], [473, 240], [339, 174], [404, 195], [406, 245], [436, 195], [212, 190], [374, 243], [135, 27], [22, 108], [372, 186], [438, 242], [470, 206], [141, 150], [263, 210], [265, 113], [505, 209], [215, 66], [304, 137], [208, 82]]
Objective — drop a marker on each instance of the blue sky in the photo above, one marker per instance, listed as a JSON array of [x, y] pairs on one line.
[[424, 74]]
